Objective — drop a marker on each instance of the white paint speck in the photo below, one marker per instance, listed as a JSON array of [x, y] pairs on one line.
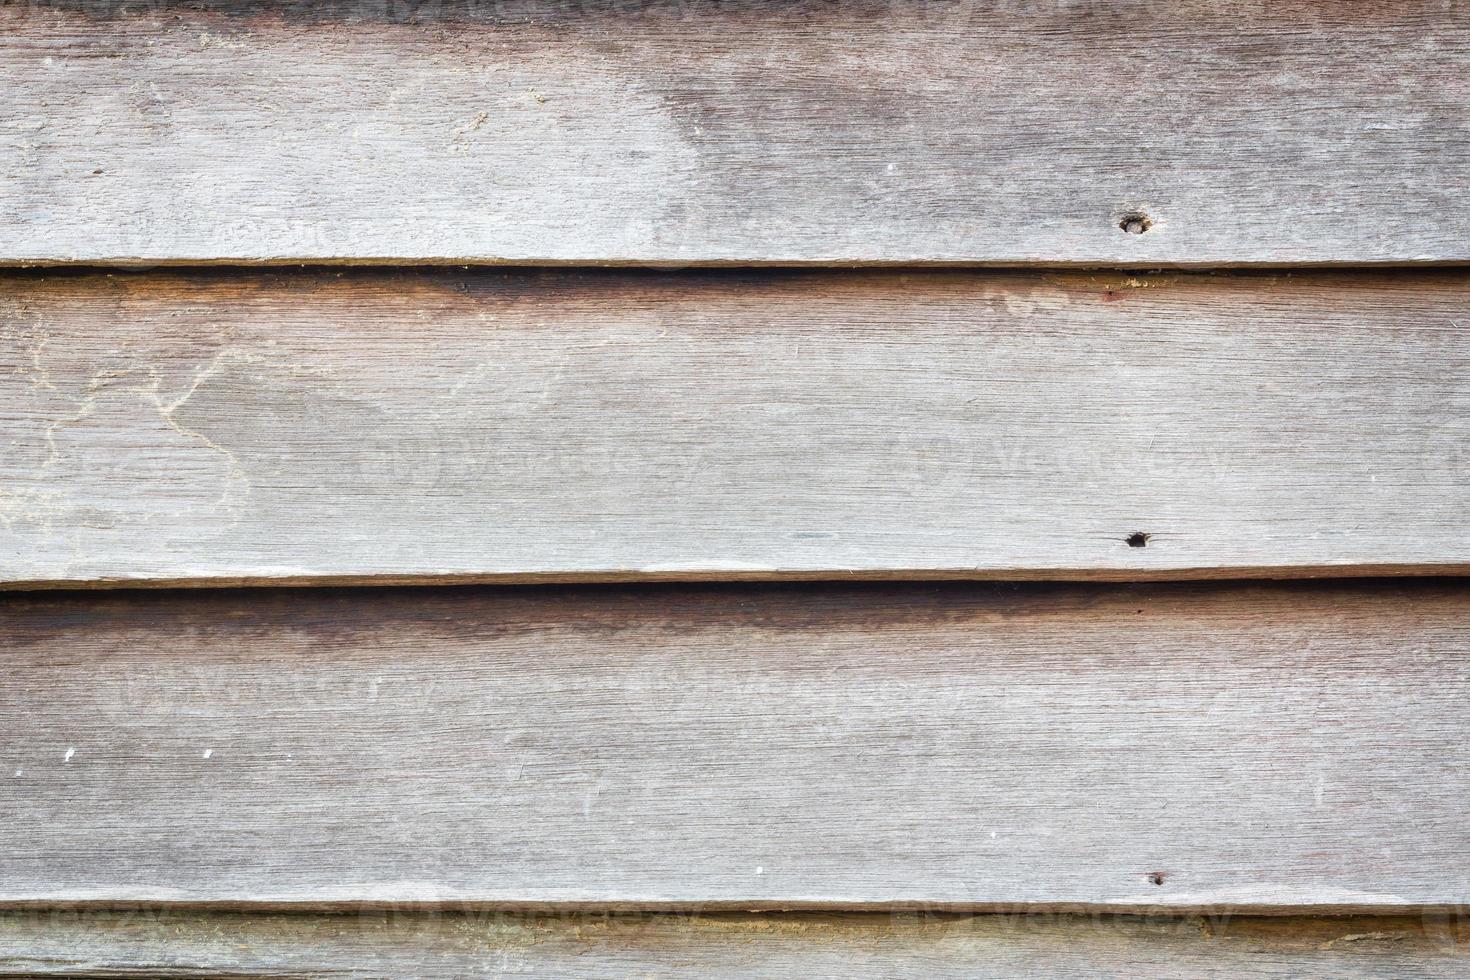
[[208, 753], [760, 871], [19, 771], [992, 835], [69, 753]]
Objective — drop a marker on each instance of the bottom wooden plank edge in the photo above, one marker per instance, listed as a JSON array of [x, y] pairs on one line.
[[173, 943], [715, 575]]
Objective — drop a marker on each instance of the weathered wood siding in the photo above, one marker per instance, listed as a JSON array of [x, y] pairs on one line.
[[707, 131], [565, 769], [1289, 747], [619, 425]]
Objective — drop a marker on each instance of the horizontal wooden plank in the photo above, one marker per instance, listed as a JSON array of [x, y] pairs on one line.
[[708, 131], [182, 944], [241, 427], [1189, 746]]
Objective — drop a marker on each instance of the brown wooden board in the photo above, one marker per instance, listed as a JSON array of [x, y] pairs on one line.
[[394, 944], [732, 131], [1288, 748], [522, 426]]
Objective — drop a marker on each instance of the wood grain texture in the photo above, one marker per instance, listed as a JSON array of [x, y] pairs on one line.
[[718, 131], [1190, 746], [492, 426], [401, 946]]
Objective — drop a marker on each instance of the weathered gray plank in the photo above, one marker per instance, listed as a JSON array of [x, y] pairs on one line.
[[396, 945], [709, 132], [1298, 747], [523, 426]]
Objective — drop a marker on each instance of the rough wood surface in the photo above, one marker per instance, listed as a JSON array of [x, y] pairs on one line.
[[1190, 745], [400, 946], [603, 425], [714, 131]]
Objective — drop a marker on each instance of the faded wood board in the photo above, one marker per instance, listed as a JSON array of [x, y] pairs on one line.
[[242, 427], [398, 945], [874, 131], [978, 746]]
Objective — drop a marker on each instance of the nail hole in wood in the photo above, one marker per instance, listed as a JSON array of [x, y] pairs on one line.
[[1137, 539], [1136, 223], [1157, 877]]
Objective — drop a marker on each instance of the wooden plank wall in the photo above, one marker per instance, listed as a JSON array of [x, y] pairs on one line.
[[494, 704]]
